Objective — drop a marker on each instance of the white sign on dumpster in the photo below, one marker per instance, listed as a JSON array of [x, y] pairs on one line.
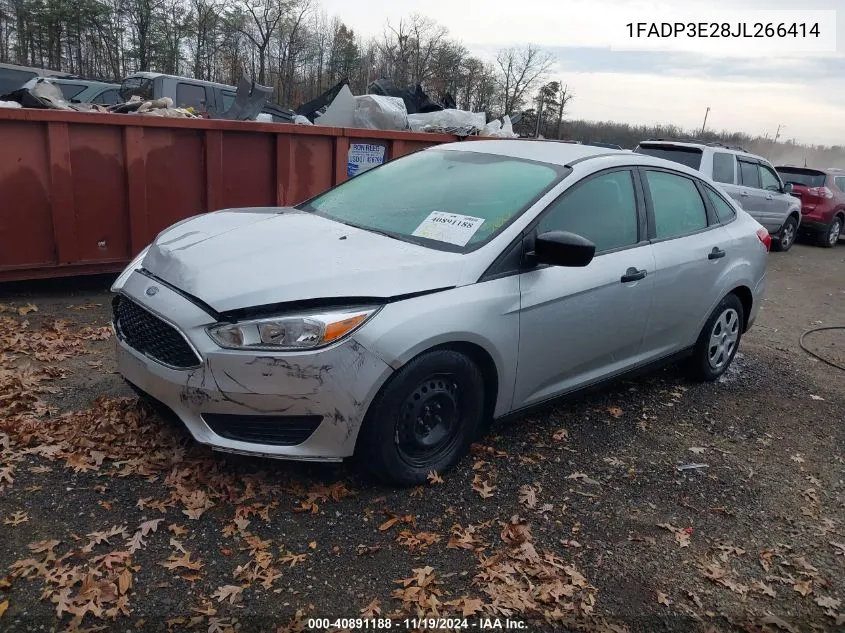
[[363, 156]]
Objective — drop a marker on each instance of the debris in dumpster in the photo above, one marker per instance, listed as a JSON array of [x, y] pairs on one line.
[[162, 107], [372, 112], [500, 129], [301, 120], [416, 101], [311, 109], [248, 103], [457, 122], [340, 110], [376, 112], [43, 95], [10, 104]]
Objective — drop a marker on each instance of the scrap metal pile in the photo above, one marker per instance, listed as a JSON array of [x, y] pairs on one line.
[[387, 107]]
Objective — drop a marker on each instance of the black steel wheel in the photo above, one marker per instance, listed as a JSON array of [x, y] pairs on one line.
[[423, 419]]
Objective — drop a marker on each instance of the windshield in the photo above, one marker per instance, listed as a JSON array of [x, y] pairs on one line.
[[448, 200], [805, 177], [689, 156]]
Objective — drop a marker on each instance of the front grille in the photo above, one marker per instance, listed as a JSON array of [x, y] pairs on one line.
[[276, 430], [147, 333]]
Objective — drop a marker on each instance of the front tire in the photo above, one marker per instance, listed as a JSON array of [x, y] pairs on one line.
[[787, 235], [830, 237], [425, 418], [719, 340]]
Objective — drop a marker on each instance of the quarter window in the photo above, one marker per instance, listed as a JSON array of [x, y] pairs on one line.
[[603, 209], [723, 167], [724, 211], [677, 205], [839, 181]]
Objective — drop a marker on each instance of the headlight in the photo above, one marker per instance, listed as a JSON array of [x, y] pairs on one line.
[[294, 332], [133, 265]]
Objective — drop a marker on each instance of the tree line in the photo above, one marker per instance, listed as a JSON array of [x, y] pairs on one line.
[[299, 50], [291, 45]]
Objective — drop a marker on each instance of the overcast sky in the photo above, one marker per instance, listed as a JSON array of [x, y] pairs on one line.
[[750, 86]]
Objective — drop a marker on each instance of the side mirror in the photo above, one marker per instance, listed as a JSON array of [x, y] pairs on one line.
[[787, 187], [561, 248]]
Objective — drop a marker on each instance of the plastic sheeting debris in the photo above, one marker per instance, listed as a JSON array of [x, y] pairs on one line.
[[457, 122], [376, 112], [416, 101], [10, 104], [500, 129]]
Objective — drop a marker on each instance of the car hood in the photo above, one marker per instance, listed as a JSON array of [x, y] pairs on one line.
[[246, 258]]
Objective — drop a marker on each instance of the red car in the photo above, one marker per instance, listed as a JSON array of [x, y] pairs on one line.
[[822, 194]]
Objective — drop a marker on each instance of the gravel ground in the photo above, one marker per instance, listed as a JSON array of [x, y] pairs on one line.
[[577, 518]]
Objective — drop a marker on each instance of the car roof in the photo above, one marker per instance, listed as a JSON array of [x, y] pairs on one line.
[[715, 146], [553, 152], [149, 75], [69, 80]]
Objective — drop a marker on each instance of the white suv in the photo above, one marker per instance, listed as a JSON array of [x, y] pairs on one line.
[[749, 179]]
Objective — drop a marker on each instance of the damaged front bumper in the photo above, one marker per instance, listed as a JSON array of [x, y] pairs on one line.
[[306, 405]]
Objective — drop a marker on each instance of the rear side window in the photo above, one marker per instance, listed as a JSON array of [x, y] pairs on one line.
[[724, 211], [11, 79], [689, 156], [749, 174], [803, 177], [228, 99], [768, 179], [677, 205], [723, 168], [107, 97], [839, 181], [69, 91], [191, 96], [603, 209]]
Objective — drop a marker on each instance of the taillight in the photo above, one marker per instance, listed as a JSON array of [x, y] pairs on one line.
[[765, 238], [821, 192]]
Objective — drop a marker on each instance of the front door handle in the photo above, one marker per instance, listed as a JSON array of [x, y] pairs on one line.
[[744, 194], [716, 253], [632, 274]]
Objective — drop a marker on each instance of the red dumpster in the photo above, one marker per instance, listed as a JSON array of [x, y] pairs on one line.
[[83, 193]]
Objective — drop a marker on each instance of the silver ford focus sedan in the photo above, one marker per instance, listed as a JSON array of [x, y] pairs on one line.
[[392, 315]]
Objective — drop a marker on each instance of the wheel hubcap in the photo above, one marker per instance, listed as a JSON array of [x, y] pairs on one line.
[[723, 339], [788, 235], [428, 424], [835, 229]]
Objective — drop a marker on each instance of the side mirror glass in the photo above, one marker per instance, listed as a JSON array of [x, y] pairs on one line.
[[561, 248], [787, 187]]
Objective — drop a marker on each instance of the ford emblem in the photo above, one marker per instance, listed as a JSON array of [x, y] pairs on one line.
[[152, 290]]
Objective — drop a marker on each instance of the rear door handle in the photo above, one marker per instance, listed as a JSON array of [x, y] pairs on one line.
[[632, 274], [744, 194], [716, 253]]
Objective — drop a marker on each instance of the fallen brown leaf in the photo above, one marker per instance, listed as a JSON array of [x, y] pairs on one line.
[[372, 610], [434, 478], [663, 599], [228, 592]]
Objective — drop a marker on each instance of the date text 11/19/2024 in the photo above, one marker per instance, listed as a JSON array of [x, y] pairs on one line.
[[722, 29], [413, 624]]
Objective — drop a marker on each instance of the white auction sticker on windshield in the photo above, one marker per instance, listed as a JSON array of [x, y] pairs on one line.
[[453, 228]]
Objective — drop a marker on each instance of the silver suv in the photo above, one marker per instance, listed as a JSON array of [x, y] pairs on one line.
[[749, 179]]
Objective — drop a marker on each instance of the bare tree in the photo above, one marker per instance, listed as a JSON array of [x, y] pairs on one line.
[[520, 70]]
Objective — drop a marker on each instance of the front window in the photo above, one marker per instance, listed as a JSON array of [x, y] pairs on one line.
[[443, 199]]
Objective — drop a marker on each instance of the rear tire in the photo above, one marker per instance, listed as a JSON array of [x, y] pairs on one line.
[[787, 235], [425, 418], [830, 237], [718, 341]]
